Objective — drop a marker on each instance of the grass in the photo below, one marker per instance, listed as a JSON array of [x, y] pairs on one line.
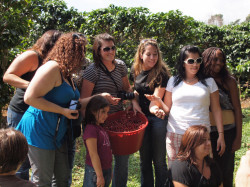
[[134, 167]]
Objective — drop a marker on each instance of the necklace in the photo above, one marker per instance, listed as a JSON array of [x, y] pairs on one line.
[[111, 68], [191, 80]]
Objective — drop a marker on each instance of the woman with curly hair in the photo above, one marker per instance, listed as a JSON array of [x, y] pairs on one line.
[[190, 95], [215, 66], [44, 124], [193, 166], [19, 75], [150, 76]]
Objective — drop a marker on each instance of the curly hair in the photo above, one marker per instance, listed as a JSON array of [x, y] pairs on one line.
[[209, 56], [181, 73], [158, 71], [45, 43], [192, 138], [14, 149], [68, 52], [98, 44]]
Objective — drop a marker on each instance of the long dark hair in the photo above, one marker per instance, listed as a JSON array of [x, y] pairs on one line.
[[181, 74], [45, 43], [94, 105], [98, 44], [208, 57], [192, 138]]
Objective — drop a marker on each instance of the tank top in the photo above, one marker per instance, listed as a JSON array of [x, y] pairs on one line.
[[39, 126], [17, 103]]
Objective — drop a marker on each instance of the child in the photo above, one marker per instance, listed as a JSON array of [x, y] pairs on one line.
[[99, 156], [13, 151]]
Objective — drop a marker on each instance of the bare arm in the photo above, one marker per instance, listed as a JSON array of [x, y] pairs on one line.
[[178, 184], [95, 159], [216, 110], [46, 78], [168, 99], [235, 98], [26, 62]]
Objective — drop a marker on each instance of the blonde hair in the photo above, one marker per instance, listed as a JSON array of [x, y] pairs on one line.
[[160, 69]]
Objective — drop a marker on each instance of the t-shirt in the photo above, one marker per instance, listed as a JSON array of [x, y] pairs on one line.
[[103, 145], [103, 82], [14, 181], [142, 87], [185, 173], [190, 105]]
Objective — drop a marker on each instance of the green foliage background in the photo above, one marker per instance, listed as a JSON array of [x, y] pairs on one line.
[[22, 22]]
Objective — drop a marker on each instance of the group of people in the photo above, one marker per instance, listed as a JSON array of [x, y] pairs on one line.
[[184, 111]]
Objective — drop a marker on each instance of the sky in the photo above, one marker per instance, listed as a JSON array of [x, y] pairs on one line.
[[200, 10]]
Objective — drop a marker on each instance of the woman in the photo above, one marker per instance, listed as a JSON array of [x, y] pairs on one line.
[[19, 75], [189, 96], [193, 166], [150, 76], [109, 75], [44, 124], [215, 66]]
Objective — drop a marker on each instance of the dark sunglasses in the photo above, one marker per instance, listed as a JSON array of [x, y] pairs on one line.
[[192, 61], [107, 49]]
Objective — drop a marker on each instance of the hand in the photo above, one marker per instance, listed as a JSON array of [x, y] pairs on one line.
[[68, 113], [100, 181], [221, 144], [136, 107], [236, 144], [159, 113], [152, 98], [112, 100]]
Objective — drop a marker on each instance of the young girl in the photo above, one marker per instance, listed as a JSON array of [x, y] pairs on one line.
[[99, 156]]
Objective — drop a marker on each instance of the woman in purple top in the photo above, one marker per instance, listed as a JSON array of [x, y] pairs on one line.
[[99, 156]]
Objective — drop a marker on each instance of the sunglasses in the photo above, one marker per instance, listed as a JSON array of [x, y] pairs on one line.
[[78, 35], [107, 49], [145, 40], [192, 61]]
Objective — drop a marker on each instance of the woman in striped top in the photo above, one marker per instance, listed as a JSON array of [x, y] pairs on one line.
[[109, 75]]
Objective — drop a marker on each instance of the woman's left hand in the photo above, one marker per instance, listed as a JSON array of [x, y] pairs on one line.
[[221, 144]]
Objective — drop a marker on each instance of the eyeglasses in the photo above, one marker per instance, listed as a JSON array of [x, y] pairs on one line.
[[192, 61], [107, 49], [78, 35], [145, 40]]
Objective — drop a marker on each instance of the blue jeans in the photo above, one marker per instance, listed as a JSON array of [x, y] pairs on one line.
[[90, 176], [153, 149], [13, 118], [226, 161], [120, 171]]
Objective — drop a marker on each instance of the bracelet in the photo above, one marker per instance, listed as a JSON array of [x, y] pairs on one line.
[[221, 132]]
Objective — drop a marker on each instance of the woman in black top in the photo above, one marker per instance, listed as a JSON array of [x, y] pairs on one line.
[[19, 75], [150, 76], [193, 166]]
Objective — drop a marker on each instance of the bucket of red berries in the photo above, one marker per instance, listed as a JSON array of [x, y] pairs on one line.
[[125, 131]]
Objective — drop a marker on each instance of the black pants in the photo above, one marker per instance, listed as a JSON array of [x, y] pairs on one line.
[[226, 162]]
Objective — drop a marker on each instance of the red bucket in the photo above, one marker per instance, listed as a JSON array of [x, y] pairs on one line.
[[125, 143]]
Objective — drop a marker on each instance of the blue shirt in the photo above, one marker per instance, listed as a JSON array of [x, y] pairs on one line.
[[39, 126]]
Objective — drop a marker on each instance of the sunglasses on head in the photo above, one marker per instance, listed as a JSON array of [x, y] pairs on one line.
[[78, 35], [107, 49], [145, 40], [192, 61]]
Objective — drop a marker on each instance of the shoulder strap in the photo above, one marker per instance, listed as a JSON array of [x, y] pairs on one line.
[[105, 70]]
